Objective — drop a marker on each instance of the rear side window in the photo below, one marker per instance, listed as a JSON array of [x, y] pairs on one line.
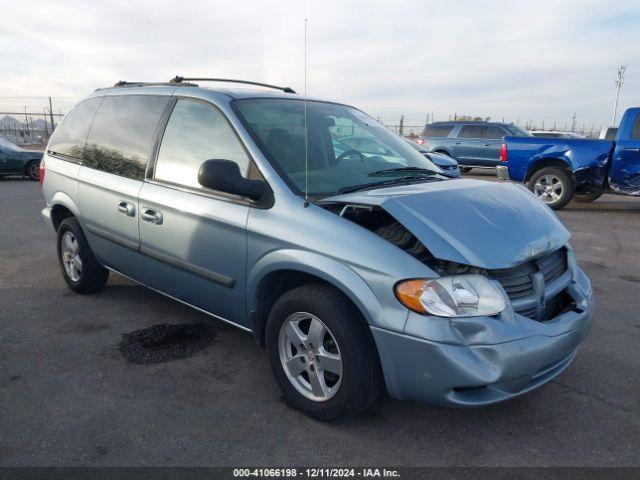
[[635, 131], [196, 132], [494, 133], [437, 130], [121, 134], [612, 132], [471, 131], [70, 136]]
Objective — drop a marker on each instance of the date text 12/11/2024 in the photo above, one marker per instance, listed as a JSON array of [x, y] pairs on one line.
[[315, 472]]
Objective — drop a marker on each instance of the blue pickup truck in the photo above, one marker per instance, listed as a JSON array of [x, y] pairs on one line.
[[558, 170]]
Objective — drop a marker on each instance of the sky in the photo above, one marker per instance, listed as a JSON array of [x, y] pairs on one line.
[[517, 60]]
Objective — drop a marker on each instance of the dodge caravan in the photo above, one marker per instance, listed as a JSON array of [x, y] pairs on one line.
[[357, 272]]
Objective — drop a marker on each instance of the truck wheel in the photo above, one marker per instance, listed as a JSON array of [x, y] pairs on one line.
[[553, 186], [32, 170], [322, 353], [80, 269], [587, 195]]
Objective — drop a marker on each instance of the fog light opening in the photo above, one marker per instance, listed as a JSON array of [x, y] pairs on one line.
[[469, 389]]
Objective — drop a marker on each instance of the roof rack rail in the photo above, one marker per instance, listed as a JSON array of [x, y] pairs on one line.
[[124, 83], [180, 80]]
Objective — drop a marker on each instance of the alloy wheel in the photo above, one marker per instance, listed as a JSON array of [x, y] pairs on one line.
[[548, 188], [34, 171], [71, 256], [310, 356]]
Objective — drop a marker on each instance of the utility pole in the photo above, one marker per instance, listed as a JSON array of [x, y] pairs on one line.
[[51, 115], [401, 128], [573, 122], [619, 82], [46, 125]]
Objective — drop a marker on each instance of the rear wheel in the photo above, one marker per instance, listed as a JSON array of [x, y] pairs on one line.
[[553, 186], [32, 170], [80, 269], [322, 353]]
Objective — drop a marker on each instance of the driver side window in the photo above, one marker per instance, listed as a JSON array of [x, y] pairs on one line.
[[196, 132]]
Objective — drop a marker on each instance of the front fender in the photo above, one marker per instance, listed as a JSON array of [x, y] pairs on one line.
[[329, 270]]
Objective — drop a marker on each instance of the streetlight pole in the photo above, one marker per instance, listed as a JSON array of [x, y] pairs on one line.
[[619, 82]]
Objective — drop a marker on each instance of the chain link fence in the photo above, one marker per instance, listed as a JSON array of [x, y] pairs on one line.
[[30, 121]]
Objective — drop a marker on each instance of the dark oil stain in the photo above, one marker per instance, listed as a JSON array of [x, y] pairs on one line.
[[165, 342], [15, 377]]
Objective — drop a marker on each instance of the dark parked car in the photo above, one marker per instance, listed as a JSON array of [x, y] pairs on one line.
[[19, 161], [370, 147], [472, 144], [447, 164]]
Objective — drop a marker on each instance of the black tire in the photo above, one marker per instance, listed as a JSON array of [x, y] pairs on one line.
[[465, 169], [32, 170], [93, 276], [587, 195], [566, 188], [361, 380]]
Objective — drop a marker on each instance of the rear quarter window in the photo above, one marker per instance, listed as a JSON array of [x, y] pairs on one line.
[[612, 132], [436, 131], [70, 136], [635, 131], [121, 134], [494, 133], [471, 131]]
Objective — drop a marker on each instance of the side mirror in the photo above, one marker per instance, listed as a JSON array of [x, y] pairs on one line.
[[224, 175]]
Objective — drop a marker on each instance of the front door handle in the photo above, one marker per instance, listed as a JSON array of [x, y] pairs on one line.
[[151, 216], [127, 208]]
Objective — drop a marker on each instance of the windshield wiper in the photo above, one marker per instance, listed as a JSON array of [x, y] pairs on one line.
[[404, 179], [393, 171]]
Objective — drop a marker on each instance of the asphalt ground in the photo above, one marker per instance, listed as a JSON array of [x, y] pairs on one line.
[[69, 398]]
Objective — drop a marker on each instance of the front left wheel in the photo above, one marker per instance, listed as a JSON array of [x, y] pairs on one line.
[[79, 266], [322, 353]]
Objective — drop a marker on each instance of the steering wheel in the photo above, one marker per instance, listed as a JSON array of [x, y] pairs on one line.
[[351, 151]]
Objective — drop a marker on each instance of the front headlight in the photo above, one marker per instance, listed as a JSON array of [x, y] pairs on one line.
[[455, 296]]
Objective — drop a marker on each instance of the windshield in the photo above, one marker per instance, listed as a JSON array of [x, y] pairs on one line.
[[346, 148], [7, 145]]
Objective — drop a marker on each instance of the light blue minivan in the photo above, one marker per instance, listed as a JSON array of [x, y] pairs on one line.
[[357, 272]]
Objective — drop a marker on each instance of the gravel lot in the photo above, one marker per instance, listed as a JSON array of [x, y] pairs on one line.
[[67, 396]]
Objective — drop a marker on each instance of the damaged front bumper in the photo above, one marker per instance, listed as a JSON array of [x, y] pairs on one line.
[[479, 361]]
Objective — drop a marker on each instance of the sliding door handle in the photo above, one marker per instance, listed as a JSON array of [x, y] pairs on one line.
[[151, 216]]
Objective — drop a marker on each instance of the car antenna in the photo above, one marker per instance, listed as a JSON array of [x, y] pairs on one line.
[[306, 142]]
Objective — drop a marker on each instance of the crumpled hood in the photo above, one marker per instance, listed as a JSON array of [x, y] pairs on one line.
[[485, 224]]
